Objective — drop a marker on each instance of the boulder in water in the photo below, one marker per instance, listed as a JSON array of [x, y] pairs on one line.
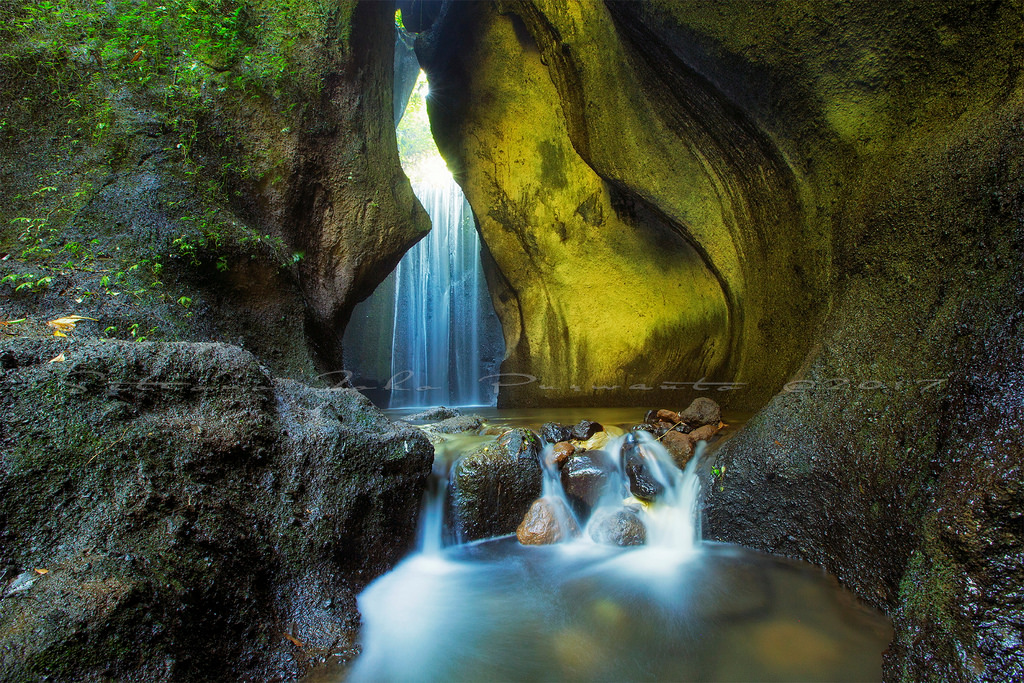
[[682, 446], [547, 521], [621, 527], [552, 432], [521, 443], [585, 429], [433, 414], [454, 425], [702, 411], [642, 483], [561, 452], [584, 479], [491, 488]]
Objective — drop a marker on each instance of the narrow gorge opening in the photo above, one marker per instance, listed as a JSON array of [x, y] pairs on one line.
[[428, 334]]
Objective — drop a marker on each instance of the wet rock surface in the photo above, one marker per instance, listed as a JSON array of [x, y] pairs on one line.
[[492, 488], [173, 512], [584, 479], [642, 482], [552, 432], [454, 425], [702, 411], [682, 446], [434, 414], [547, 521], [620, 527], [561, 452]]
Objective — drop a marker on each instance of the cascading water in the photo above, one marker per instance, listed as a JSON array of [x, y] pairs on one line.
[[429, 333], [437, 353], [672, 609]]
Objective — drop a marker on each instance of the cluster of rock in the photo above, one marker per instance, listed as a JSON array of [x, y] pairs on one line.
[[680, 432], [497, 488], [588, 472]]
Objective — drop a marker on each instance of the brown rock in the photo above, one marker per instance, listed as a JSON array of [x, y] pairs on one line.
[[622, 527], [668, 416], [547, 521], [562, 451], [681, 446], [703, 411], [706, 432]]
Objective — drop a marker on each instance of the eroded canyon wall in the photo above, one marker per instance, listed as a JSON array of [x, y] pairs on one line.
[[849, 177], [628, 207]]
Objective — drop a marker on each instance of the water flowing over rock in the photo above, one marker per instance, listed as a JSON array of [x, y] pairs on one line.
[[493, 487], [585, 479], [850, 176], [547, 521], [429, 334], [638, 468], [620, 527]]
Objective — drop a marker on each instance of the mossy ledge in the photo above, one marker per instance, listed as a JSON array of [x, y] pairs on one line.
[[222, 171]]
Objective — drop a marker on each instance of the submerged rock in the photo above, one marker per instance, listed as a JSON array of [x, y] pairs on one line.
[[492, 488], [621, 527], [547, 521], [437, 413]]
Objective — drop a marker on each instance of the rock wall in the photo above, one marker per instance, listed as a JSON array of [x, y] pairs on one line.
[[848, 177], [220, 173], [173, 512], [628, 205]]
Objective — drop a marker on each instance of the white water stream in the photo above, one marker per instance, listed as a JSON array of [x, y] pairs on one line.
[[673, 609]]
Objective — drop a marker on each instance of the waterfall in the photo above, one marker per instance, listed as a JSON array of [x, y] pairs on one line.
[[437, 355], [429, 332]]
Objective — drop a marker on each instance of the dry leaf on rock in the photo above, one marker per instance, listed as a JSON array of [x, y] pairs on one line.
[[66, 324]]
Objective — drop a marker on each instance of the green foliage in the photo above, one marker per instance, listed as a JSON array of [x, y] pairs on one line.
[[24, 283], [420, 157]]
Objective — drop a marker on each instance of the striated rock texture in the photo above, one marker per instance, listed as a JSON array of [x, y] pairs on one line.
[[201, 172], [178, 514], [628, 206], [837, 188]]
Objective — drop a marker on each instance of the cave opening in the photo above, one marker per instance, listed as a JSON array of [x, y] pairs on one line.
[[428, 334]]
